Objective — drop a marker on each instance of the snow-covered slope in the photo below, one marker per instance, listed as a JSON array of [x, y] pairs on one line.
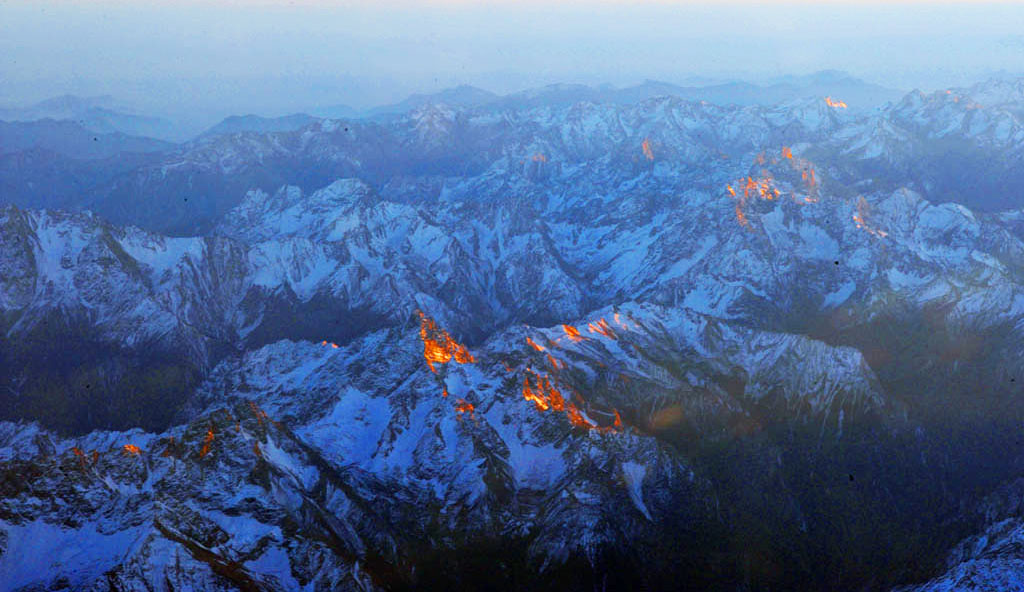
[[570, 331]]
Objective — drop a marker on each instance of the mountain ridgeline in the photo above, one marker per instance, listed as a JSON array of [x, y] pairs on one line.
[[643, 344]]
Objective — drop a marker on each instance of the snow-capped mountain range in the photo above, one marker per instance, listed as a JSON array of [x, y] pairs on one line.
[[522, 349]]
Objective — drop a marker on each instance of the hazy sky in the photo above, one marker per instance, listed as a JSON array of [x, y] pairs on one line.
[[278, 56]]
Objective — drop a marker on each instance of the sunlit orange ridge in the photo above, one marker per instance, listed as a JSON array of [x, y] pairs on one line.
[[835, 104], [764, 187], [439, 347], [646, 147], [546, 392]]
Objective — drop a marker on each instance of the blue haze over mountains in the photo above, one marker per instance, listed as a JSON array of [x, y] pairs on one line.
[[104, 114]]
